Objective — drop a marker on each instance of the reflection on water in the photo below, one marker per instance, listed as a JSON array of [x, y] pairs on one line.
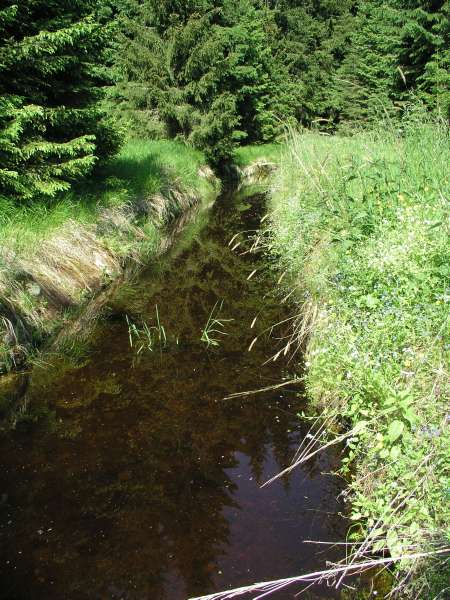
[[146, 484]]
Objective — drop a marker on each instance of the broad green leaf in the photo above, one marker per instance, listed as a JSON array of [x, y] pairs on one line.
[[395, 452], [371, 301], [395, 430]]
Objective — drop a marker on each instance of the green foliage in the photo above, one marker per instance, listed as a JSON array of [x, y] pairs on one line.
[[218, 73], [51, 76], [399, 50], [231, 72], [433, 78], [312, 39], [365, 81], [208, 72], [362, 223]]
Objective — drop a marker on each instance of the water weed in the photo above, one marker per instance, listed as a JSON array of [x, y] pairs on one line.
[[215, 326], [146, 337]]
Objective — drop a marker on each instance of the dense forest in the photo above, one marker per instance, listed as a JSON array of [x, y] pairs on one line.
[[76, 76]]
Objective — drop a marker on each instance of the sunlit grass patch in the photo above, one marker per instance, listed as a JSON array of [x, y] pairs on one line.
[[246, 155]]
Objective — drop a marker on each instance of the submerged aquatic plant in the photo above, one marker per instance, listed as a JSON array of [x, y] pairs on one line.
[[214, 326], [145, 337], [159, 328]]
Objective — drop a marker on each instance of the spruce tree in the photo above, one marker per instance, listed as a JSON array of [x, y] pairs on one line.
[[424, 53], [434, 82], [51, 78], [399, 53], [208, 71], [312, 40], [364, 85]]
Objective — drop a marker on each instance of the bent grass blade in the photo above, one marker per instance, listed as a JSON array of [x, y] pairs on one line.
[[143, 337], [214, 326]]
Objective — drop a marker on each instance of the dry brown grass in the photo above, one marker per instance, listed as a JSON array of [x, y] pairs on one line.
[[70, 263]]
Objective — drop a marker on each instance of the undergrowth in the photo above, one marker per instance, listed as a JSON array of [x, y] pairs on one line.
[[361, 224]]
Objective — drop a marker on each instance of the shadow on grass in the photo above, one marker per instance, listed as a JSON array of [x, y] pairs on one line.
[[136, 172]]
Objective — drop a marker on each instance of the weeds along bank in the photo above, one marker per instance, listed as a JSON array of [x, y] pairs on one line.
[[361, 224], [54, 256]]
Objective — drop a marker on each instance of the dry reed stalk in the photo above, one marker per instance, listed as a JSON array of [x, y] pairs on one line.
[[270, 587], [312, 438], [250, 348], [303, 325], [262, 390], [306, 322], [306, 455]]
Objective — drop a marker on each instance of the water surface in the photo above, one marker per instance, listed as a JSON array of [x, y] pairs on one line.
[[145, 483]]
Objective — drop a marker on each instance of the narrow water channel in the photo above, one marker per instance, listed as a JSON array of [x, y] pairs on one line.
[[145, 483]]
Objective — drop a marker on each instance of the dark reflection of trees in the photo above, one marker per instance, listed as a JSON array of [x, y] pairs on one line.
[[134, 482]]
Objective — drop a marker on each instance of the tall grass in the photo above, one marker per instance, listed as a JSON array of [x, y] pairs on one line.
[[361, 224]]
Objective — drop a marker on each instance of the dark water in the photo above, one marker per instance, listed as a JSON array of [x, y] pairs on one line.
[[145, 484]]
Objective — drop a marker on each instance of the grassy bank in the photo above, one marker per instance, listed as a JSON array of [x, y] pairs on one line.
[[247, 155], [53, 256], [255, 163], [361, 225]]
